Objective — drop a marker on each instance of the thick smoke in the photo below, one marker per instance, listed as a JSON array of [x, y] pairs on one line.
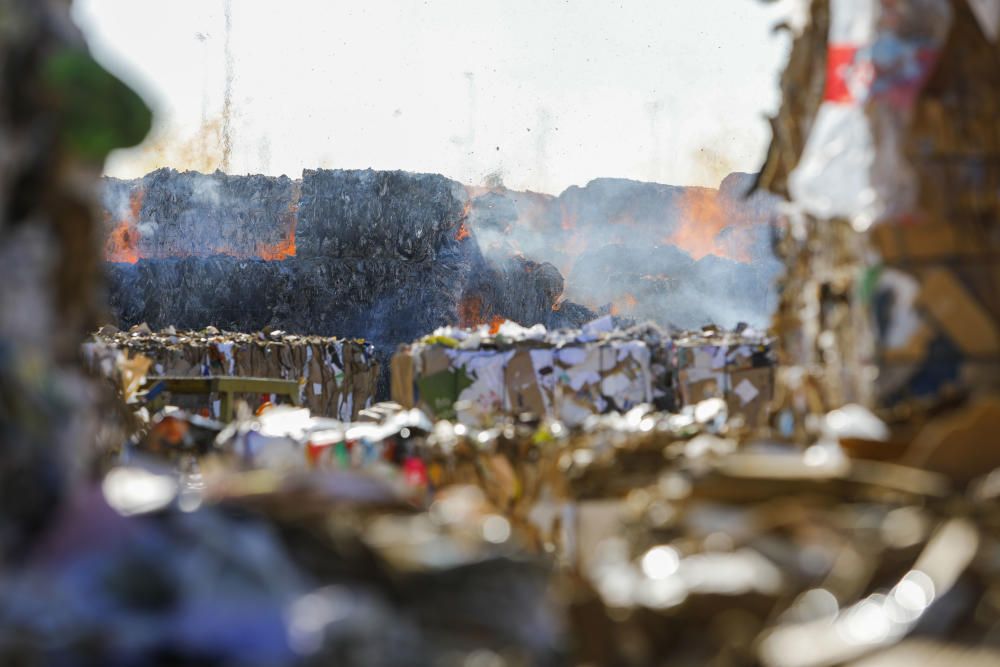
[[677, 255]]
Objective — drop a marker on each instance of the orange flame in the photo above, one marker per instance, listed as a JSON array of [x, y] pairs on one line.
[[470, 314], [702, 220], [122, 244], [628, 304], [463, 232], [568, 217], [286, 247]]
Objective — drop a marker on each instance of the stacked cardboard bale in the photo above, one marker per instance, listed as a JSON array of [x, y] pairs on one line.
[[571, 374], [336, 377], [566, 374], [736, 366], [167, 213]]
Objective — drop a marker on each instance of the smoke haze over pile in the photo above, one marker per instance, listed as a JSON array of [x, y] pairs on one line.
[[684, 256]]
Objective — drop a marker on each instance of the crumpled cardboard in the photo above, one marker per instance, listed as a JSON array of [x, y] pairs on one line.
[[565, 374], [736, 367], [521, 383], [572, 374], [337, 378]]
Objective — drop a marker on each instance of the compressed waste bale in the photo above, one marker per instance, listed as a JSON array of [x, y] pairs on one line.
[[567, 374], [336, 377], [736, 366], [378, 214], [194, 292], [167, 213], [570, 374]]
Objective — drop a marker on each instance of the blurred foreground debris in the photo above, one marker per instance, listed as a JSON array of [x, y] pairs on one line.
[[60, 115], [630, 537], [890, 299]]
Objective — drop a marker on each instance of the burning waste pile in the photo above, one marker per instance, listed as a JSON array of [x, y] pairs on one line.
[[389, 256], [385, 256], [601, 493], [683, 256]]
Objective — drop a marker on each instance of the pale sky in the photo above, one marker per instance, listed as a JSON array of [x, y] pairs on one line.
[[548, 93]]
